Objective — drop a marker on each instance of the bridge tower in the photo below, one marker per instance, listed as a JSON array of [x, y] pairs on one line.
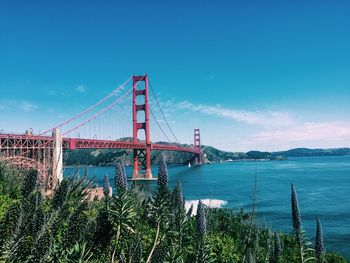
[[197, 145], [142, 157]]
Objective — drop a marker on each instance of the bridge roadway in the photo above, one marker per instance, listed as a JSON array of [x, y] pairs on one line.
[[31, 142]]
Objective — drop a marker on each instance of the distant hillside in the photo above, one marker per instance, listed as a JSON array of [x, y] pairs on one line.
[[216, 155], [104, 157], [305, 152]]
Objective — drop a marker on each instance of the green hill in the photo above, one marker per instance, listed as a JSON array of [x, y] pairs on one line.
[[305, 152], [104, 157]]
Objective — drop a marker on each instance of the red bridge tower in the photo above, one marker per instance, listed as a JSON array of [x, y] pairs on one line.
[[197, 145], [142, 157]]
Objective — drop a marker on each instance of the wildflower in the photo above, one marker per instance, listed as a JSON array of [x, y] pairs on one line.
[[296, 214], [201, 221], [319, 246], [277, 249], [178, 197], [162, 173], [189, 212], [121, 181], [106, 186]]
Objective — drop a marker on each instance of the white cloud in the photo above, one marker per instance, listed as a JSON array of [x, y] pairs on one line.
[[22, 105], [80, 88], [331, 134], [27, 106], [310, 134], [261, 118], [272, 130]]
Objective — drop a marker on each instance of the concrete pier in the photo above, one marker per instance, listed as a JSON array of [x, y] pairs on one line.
[[57, 162]]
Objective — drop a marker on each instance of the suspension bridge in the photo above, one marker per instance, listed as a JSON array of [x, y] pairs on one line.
[[94, 128]]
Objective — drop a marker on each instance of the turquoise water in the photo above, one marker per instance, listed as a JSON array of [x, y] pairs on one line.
[[322, 183]]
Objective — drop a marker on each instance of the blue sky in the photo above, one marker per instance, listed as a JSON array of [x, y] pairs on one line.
[[265, 75]]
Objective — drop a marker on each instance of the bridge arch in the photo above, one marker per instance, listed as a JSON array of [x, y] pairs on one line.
[[26, 163]]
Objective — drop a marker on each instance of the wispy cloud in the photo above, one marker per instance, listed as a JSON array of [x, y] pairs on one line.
[[331, 134], [22, 105], [307, 133], [261, 118], [27, 106], [273, 130], [80, 88]]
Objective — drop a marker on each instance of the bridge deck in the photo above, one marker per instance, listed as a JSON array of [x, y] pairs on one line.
[[24, 141]]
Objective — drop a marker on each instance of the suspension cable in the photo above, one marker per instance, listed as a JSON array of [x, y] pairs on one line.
[[100, 112], [154, 117], [120, 87], [154, 94]]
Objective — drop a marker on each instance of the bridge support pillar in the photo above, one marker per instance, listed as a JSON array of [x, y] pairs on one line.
[[57, 162], [197, 146], [142, 157]]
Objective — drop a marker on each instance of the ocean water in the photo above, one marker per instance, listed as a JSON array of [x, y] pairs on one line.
[[322, 183]]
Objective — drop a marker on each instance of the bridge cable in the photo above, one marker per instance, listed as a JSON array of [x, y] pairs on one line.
[[120, 87], [99, 113], [160, 127], [154, 94]]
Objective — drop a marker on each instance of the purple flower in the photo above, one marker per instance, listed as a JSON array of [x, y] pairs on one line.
[[162, 173], [277, 249], [106, 186], [121, 181], [296, 214], [319, 246], [201, 220]]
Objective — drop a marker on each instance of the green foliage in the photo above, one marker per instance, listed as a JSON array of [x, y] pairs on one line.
[[160, 215], [122, 213], [5, 203], [258, 155], [134, 226], [60, 195], [77, 224], [223, 247], [78, 253], [10, 187], [334, 258], [103, 231], [29, 183], [10, 182], [10, 222]]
